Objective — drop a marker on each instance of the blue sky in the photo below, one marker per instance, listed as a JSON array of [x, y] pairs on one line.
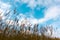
[[44, 12], [23, 8]]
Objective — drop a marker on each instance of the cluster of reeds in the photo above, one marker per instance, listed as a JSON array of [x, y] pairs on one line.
[[12, 30]]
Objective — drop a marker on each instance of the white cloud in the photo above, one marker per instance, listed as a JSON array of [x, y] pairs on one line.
[[56, 33], [45, 2], [33, 3], [30, 19], [33, 21], [3, 8], [25, 1], [51, 13], [57, 1]]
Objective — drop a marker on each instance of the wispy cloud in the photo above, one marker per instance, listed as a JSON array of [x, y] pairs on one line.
[[33, 3], [4, 8], [51, 13]]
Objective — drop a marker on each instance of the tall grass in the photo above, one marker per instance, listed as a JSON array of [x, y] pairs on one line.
[[23, 36]]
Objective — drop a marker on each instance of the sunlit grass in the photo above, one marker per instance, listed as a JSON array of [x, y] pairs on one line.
[[25, 37]]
